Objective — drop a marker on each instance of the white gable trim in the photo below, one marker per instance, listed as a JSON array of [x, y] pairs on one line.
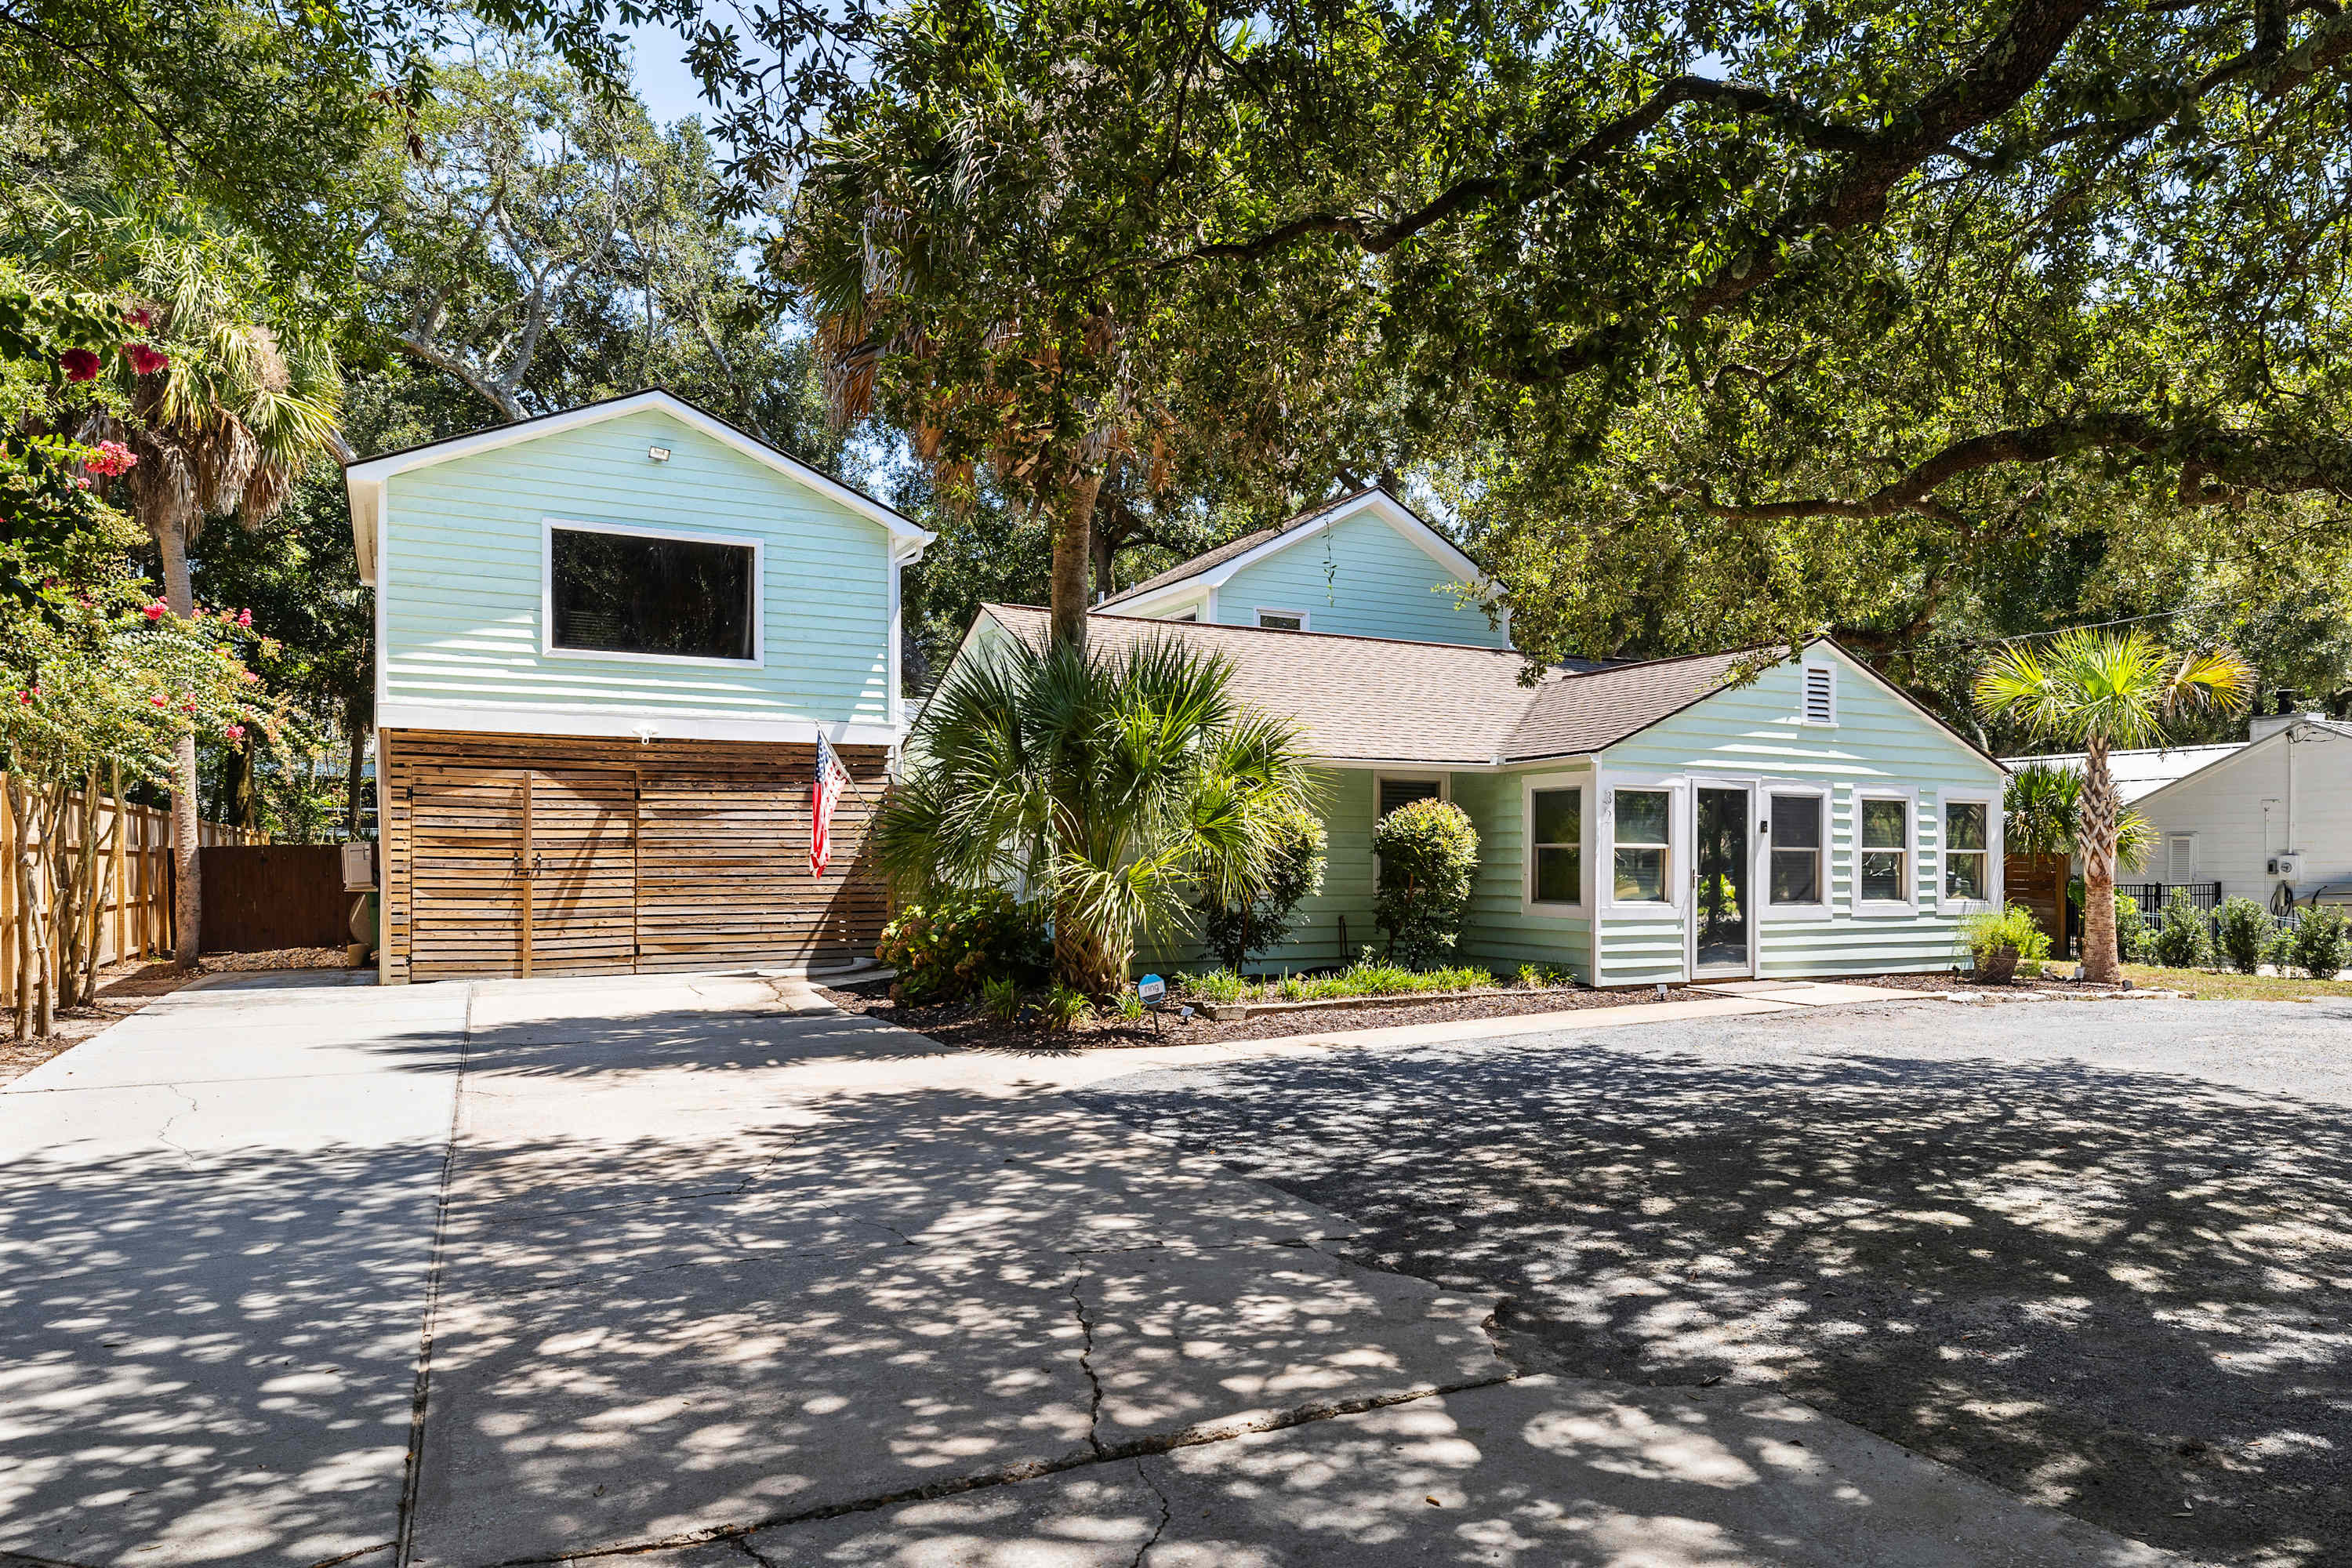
[[1378, 503], [363, 481]]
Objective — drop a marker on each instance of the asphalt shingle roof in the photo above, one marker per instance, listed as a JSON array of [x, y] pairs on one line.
[[1375, 699]]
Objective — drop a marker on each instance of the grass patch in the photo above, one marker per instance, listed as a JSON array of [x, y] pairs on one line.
[[2228, 985], [1356, 980]]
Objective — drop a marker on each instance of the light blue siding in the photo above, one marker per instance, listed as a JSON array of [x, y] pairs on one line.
[[1500, 932], [1337, 922], [462, 579], [1361, 578]]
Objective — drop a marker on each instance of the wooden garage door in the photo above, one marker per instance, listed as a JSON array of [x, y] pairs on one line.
[[523, 871]]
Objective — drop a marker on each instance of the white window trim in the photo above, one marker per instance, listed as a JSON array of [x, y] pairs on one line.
[[1677, 793], [1820, 908], [1991, 901], [758, 546], [1804, 679], [1258, 613], [1529, 905], [2171, 836], [1753, 788], [1909, 797]]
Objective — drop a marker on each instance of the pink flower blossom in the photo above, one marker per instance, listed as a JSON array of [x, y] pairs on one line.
[[146, 359], [141, 316], [250, 678], [155, 611], [236, 731], [80, 365], [160, 700], [113, 458], [24, 697], [81, 481], [187, 707], [244, 619]]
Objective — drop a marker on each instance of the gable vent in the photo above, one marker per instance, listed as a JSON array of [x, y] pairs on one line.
[[1820, 695]]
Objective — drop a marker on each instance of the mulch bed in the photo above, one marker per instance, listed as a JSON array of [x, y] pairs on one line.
[[1944, 980], [962, 1024]]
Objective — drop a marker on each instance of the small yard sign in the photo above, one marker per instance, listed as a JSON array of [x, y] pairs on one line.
[[1150, 988]]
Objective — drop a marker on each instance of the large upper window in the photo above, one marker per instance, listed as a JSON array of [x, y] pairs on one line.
[[1885, 851], [1556, 836], [1966, 850], [634, 592], [1796, 849], [1641, 845]]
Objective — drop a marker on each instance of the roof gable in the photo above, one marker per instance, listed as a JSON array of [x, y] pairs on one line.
[[364, 479], [1212, 568]]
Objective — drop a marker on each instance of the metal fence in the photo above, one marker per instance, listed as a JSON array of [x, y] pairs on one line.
[[2152, 896]]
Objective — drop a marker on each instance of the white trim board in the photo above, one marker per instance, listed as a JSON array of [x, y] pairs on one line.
[[494, 718], [363, 481]]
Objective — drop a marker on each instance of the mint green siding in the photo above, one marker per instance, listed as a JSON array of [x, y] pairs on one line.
[[462, 566], [1361, 578], [1500, 931], [1343, 905]]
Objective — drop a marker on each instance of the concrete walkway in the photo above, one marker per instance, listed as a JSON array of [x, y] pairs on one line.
[[298, 1271]]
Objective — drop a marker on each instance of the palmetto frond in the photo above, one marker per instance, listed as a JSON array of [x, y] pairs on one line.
[[2115, 688]]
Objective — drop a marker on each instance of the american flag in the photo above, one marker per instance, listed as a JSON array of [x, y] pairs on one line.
[[831, 779]]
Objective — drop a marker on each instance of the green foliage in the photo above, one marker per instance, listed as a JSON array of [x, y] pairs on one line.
[[999, 998], [1131, 1007], [2182, 939], [1061, 1006], [2278, 948], [1119, 786], [2131, 929], [958, 941], [2323, 945], [1989, 935], [2241, 931], [2041, 808], [1215, 986], [1428, 855], [1538, 977], [1259, 912], [1366, 977]]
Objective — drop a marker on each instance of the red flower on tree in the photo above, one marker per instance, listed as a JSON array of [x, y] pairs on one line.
[[146, 359], [80, 365], [113, 458], [155, 611]]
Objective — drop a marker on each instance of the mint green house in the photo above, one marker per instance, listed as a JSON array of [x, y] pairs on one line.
[[1752, 814]]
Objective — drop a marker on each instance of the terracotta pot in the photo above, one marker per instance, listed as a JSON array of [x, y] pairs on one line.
[[1999, 969]]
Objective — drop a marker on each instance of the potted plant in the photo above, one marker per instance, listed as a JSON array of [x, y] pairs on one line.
[[2000, 944]]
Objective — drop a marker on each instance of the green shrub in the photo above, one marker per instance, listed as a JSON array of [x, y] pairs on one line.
[[1990, 935], [946, 948], [2182, 941], [2322, 944], [1214, 985], [2131, 929], [1062, 1006], [1538, 977], [999, 998], [1248, 921], [1428, 853], [1130, 1007], [2278, 948], [2242, 930]]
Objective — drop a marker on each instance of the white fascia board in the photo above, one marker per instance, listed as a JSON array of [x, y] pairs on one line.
[[499, 719], [375, 471]]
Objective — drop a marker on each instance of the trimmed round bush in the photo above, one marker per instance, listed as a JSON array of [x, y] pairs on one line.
[[1428, 853], [2181, 942], [2242, 929], [2321, 943]]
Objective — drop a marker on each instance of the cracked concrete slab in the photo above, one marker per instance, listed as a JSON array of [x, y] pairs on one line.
[[1540, 1471]]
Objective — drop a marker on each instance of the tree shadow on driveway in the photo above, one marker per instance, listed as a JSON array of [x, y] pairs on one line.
[[2123, 1294]]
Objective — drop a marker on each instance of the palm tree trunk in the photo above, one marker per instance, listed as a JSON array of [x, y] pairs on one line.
[[180, 593], [1073, 553], [2097, 828], [1084, 962]]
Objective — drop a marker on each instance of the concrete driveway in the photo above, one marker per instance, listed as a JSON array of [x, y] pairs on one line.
[[299, 1272]]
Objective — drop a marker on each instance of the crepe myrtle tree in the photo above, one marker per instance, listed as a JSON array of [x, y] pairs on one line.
[[105, 689], [2098, 691]]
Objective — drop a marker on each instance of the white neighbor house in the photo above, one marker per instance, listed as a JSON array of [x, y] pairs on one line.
[[2269, 818]]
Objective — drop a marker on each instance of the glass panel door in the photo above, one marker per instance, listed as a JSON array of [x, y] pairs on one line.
[[1720, 860]]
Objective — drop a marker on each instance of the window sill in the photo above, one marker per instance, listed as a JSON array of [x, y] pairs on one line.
[[614, 655], [1863, 908], [1643, 911], [1771, 912], [1535, 908]]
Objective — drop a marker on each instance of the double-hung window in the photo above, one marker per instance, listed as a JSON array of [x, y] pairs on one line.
[[1642, 853], [1884, 850], [1556, 845], [640, 592], [1798, 873], [1967, 850]]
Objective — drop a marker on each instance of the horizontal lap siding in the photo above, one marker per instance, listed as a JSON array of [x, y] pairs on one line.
[[463, 570], [1371, 581], [1878, 740], [716, 835], [1499, 934]]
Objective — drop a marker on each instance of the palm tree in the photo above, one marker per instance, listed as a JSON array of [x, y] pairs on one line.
[[246, 401], [1115, 785], [2099, 691]]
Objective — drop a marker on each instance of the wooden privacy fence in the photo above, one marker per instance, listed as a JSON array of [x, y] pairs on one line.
[[260, 898], [136, 919]]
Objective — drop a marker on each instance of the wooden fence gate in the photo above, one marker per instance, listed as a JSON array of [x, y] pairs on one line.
[[260, 898]]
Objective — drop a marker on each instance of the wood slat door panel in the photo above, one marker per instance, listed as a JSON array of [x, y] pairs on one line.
[[466, 841], [583, 825]]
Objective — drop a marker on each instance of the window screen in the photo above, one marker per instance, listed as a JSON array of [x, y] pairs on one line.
[[1965, 850], [1395, 793], [1641, 845], [1796, 823], [1885, 851], [1556, 833], [623, 593]]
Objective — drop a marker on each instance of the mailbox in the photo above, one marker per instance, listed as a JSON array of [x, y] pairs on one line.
[[358, 866]]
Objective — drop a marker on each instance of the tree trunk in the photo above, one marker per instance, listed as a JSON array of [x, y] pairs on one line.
[[2096, 826], [353, 781], [20, 871], [180, 593], [1084, 962], [1073, 552]]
